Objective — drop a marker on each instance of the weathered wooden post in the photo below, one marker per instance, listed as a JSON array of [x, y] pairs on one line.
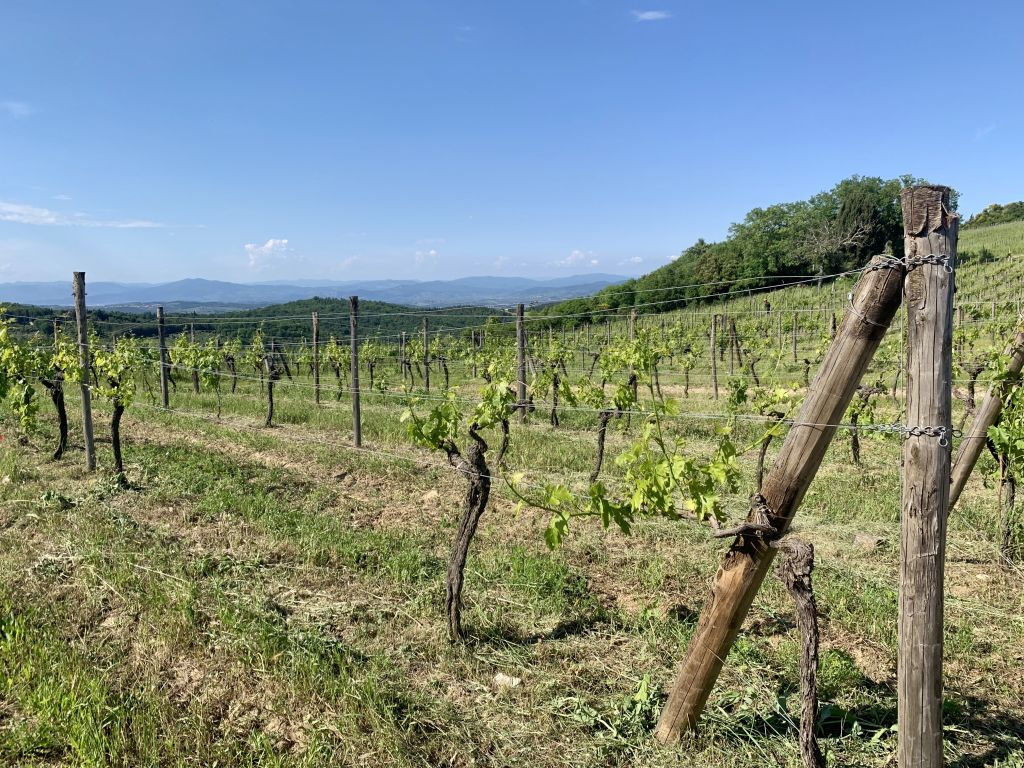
[[426, 354], [714, 359], [988, 412], [353, 333], [876, 298], [164, 394], [795, 317], [520, 363], [316, 357], [81, 319], [195, 371], [930, 238], [632, 324]]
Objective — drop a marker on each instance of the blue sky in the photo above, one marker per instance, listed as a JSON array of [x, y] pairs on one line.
[[419, 139]]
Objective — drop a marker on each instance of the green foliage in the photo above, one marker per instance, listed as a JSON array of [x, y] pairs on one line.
[[116, 369], [997, 214]]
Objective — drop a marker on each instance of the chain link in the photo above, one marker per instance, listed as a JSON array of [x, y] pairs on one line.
[[891, 262], [943, 433]]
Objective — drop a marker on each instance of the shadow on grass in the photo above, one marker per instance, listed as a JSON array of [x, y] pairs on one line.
[[983, 733]]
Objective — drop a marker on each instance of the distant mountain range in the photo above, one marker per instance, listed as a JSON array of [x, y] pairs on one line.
[[214, 295]]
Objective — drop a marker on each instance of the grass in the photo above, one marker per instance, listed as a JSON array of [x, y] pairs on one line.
[[271, 597], [262, 597]]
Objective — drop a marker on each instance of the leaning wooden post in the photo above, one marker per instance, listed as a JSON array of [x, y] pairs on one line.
[[930, 236], [83, 356], [520, 363], [985, 417], [353, 333], [876, 298], [316, 357], [164, 394]]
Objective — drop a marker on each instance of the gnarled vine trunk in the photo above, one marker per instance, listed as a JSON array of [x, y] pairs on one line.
[[602, 430], [115, 439], [794, 568], [55, 386], [554, 399], [273, 374], [478, 476]]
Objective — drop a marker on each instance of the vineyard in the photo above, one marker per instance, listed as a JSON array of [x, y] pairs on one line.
[[486, 540]]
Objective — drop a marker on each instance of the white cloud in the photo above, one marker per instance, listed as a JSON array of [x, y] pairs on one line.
[[651, 15], [16, 109], [578, 257], [262, 256], [347, 262], [19, 213], [62, 197], [423, 257], [636, 259]]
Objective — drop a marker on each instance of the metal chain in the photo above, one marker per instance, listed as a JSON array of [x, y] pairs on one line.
[[943, 433], [891, 262]]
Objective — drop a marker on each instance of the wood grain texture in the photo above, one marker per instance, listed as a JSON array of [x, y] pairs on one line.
[[876, 298], [930, 228]]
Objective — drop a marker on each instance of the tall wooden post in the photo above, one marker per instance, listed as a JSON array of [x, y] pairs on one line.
[[401, 358], [876, 298], [195, 371], [632, 324], [426, 354], [164, 393], [520, 363], [794, 335], [714, 358], [83, 356], [973, 442], [929, 230], [353, 334], [316, 357]]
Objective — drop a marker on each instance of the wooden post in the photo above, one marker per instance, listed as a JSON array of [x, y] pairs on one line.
[[83, 356], [353, 333], [876, 298], [988, 412], [714, 359], [632, 324], [195, 371], [401, 358], [929, 228], [794, 334], [426, 354], [520, 363], [316, 357], [164, 394]]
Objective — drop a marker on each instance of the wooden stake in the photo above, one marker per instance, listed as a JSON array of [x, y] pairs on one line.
[[929, 229], [988, 412], [353, 333], [195, 372], [316, 357], [876, 299], [426, 354], [164, 393], [714, 359], [83, 355], [520, 363]]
